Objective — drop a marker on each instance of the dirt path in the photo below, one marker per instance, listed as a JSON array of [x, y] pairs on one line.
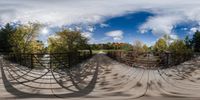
[[101, 78]]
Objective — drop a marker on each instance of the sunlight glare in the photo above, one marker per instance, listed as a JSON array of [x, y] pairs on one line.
[[44, 31]]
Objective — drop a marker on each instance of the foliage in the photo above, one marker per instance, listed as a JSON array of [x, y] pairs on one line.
[[24, 38], [145, 48], [180, 51], [160, 46], [5, 34], [138, 46], [168, 39], [127, 47], [188, 42], [196, 41], [179, 47], [67, 41], [37, 47], [112, 46]]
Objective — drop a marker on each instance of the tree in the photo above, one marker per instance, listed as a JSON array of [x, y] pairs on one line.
[[95, 46], [110, 47], [196, 41], [23, 38], [37, 46], [138, 46], [160, 45], [127, 47], [5, 34], [68, 41], [145, 48], [180, 52], [168, 39], [179, 47], [188, 42]]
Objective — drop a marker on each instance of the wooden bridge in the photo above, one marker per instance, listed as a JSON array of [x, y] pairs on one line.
[[49, 76]]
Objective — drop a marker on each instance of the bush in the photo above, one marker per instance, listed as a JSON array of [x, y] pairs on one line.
[[180, 52]]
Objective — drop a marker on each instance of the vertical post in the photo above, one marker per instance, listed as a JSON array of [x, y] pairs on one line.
[[69, 59], [119, 56], [20, 59], [32, 66], [90, 50], [50, 62], [167, 59], [78, 57], [11, 57], [24, 60], [84, 53]]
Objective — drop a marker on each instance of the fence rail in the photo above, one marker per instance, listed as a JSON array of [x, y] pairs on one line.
[[44, 60], [149, 59]]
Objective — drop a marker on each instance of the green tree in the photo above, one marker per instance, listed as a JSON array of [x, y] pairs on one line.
[[145, 48], [196, 41], [68, 41], [160, 46], [179, 47], [37, 46], [180, 52], [188, 42], [110, 47], [168, 38], [5, 34], [127, 47], [23, 37]]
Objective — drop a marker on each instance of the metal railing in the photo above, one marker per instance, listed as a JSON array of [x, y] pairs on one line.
[[48, 60], [149, 59]]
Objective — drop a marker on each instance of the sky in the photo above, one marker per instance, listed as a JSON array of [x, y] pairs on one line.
[[107, 20]]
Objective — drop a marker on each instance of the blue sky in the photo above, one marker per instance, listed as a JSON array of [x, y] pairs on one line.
[[129, 24], [107, 20]]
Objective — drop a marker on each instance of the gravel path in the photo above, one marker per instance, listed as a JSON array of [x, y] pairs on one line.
[[100, 78]]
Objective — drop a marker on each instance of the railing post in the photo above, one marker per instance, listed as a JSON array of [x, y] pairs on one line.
[[11, 57], [78, 57], [84, 55], [50, 63], [20, 59], [69, 59], [168, 61], [32, 66], [120, 56]]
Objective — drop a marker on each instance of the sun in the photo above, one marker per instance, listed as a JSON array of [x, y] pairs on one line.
[[44, 31]]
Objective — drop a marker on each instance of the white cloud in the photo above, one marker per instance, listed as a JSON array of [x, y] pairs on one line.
[[168, 13], [90, 28], [102, 25], [184, 29], [194, 29], [173, 36], [116, 35], [62, 12], [87, 34], [160, 25], [78, 28]]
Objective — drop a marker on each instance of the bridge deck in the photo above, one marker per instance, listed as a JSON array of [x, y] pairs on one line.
[[101, 78]]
